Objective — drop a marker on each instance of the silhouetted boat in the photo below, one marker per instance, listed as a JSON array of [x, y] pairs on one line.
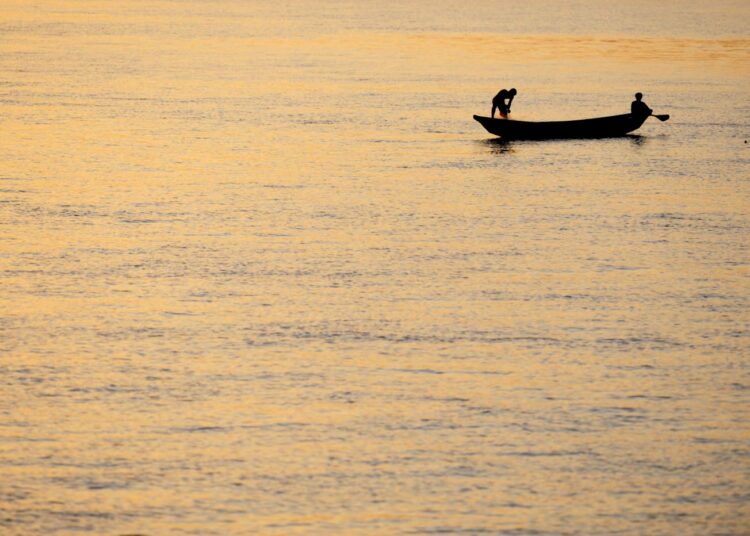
[[598, 127]]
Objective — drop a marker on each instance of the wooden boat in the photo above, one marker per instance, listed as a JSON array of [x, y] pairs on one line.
[[598, 127]]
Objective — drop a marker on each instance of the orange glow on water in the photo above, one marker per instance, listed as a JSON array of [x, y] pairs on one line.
[[260, 271]]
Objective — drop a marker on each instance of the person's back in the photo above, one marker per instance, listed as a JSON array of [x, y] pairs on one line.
[[498, 102], [638, 107]]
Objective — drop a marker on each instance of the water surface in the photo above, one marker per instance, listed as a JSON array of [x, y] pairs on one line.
[[260, 272]]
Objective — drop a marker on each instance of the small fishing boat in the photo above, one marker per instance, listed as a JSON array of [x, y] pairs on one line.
[[598, 127]]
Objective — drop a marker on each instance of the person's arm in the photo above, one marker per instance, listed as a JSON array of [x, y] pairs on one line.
[[493, 109], [510, 99]]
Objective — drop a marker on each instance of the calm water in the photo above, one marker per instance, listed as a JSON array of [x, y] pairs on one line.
[[260, 271]]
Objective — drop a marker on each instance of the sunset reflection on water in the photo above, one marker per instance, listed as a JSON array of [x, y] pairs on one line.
[[261, 272]]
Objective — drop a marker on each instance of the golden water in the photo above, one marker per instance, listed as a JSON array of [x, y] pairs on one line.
[[260, 272]]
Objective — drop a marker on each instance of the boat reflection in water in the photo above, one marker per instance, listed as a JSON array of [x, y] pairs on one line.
[[507, 146], [499, 145]]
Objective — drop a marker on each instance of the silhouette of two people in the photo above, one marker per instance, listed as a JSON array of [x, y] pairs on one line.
[[502, 100]]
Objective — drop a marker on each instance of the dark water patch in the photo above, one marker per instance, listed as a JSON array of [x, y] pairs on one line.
[[651, 398], [574, 297], [26, 439], [276, 426], [289, 525], [197, 429], [260, 343], [418, 371], [456, 165], [98, 485], [546, 453], [428, 425], [285, 334], [644, 366], [618, 268], [711, 222], [465, 255], [446, 399], [703, 498], [615, 409], [325, 214], [11, 496], [711, 441], [448, 529], [344, 396], [247, 269], [618, 416], [283, 186], [144, 220], [629, 343], [737, 333], [483, 410], [130, 333], [318, 122], [76, 211], [110, 389]]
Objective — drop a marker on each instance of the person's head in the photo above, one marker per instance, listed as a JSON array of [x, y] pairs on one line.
[[513, 91], [638, 96]]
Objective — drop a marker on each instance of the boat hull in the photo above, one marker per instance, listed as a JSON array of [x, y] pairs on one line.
[[598, 127]]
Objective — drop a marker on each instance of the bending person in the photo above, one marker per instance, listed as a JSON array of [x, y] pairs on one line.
[[498, 102]]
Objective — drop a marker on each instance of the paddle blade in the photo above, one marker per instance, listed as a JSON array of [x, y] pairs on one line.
[[661, 117]]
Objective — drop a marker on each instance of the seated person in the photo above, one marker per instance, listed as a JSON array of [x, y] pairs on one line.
[[638, 107]]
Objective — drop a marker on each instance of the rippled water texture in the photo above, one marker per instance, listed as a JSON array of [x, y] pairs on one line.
[[260, 272]]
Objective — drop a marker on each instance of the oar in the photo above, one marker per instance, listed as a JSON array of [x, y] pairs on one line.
[[661, 117]]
